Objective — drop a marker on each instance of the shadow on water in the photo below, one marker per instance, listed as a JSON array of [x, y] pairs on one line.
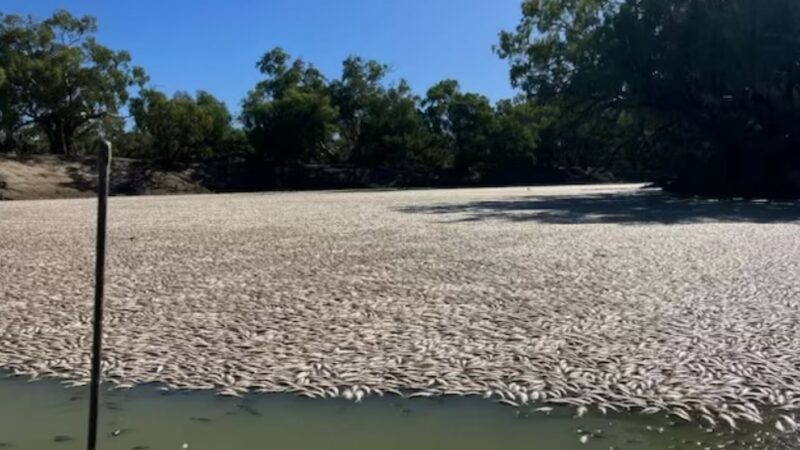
[[44, 416], [636, 207]]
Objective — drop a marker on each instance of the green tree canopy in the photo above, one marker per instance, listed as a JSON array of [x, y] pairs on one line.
[[516, 138], [709, 90], [465, 123], [358, 90], [181, 128], [379, 124], [288, 117], [393, 134], [59, 78]]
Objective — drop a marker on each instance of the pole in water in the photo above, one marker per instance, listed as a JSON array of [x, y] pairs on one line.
[[103, 169]]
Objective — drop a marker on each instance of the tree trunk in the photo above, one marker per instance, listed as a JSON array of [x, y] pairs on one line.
[[60, 137], [8, 143]]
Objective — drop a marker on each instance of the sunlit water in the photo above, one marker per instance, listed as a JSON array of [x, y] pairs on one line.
[[44, 415]]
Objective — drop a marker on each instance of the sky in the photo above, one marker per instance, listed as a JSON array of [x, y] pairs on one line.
[[213, 45]]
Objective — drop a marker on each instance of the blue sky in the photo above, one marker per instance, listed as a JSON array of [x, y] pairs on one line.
[[213, 45]]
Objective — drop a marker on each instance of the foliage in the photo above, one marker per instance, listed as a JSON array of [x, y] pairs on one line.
[[516, 139], [296, 116], [484, 141], [379, 126], [353, 95], [10, 117], [708, 92], [288, 117], [180, 128], [59, 78], [59, 88]]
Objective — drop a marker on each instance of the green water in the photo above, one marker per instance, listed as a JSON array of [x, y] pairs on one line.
[[44, 415]]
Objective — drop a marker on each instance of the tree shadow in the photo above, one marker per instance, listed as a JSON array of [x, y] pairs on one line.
[[80, 179], [127, 177], [638, 207]]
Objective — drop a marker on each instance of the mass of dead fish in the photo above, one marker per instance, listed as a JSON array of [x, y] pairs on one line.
[[349, 295]]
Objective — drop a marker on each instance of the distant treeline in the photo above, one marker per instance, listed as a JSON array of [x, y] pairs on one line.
[[701, 96]]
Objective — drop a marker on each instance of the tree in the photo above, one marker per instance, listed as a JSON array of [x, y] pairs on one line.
[[181, 128], [515, 142], [10, 114], [358, 89], [710, 91], [393, 133], [379, 124], [288, 117], [59, 78], [465, 124], [10, 117]]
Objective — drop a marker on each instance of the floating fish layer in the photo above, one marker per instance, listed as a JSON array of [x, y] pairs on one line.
[[566, 296]]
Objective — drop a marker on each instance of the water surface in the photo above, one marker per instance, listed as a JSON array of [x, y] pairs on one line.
[[44, 415]]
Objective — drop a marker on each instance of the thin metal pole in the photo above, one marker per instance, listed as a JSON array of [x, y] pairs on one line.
[[103, 169]]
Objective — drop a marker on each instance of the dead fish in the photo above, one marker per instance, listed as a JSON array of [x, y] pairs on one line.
[[199, 419], [249, 410]]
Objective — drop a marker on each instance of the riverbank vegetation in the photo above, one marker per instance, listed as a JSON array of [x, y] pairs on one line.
[[702, 97]]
